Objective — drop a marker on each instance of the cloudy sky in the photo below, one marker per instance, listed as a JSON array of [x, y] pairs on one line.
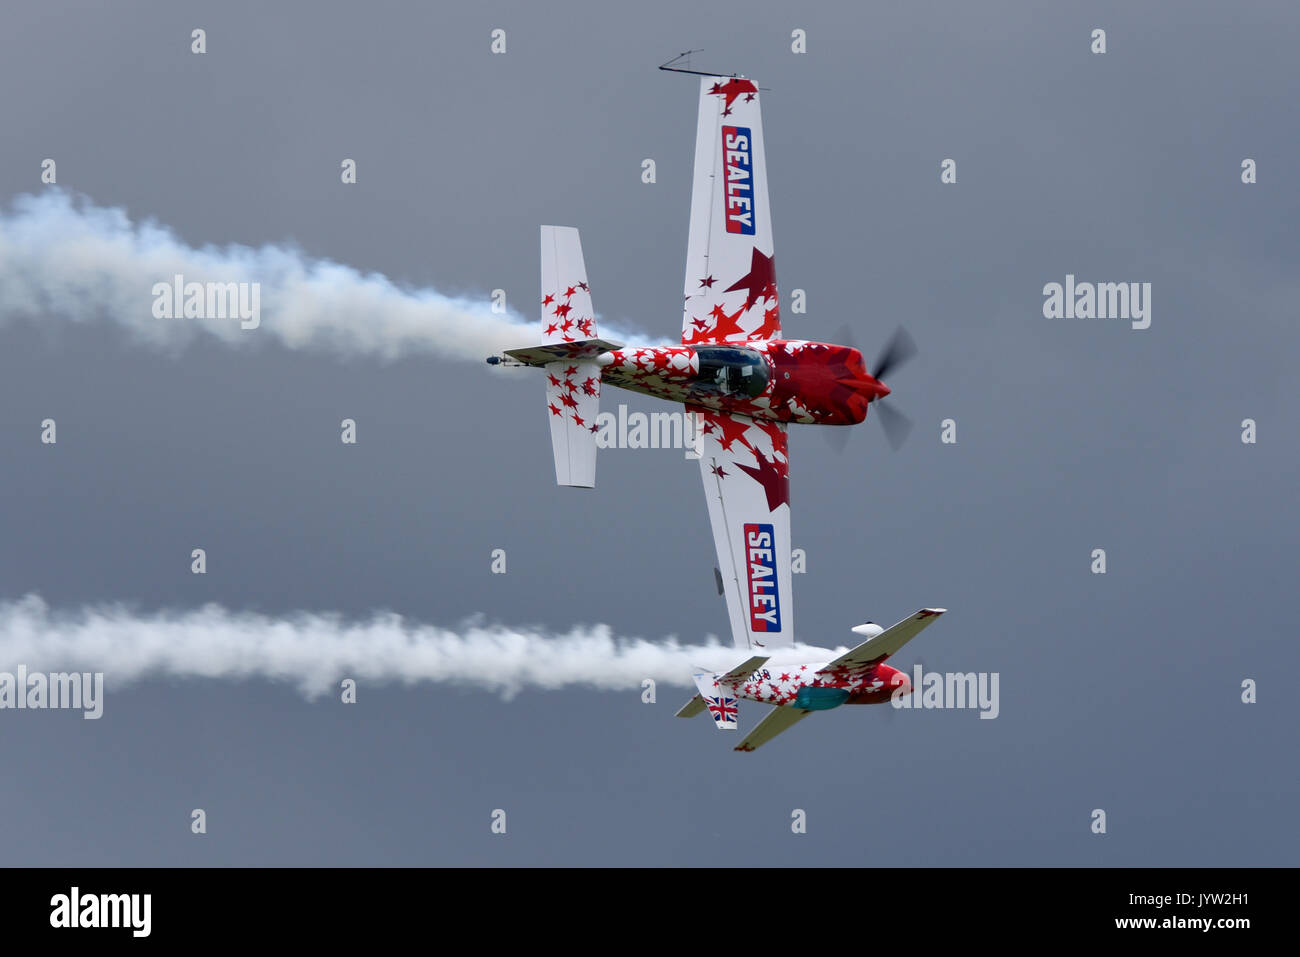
[[1120, 692]]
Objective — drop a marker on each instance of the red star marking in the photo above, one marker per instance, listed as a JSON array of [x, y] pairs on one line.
[[572, 370], [569, 400], [708, 282], [726, 327], [551, 329], [554, 410], [785, 677], [566, 325], [583, 287], [760, 281], [803, 667], [548, 300], [774, 432], [578, 419], [563, 309], [749, 97], [594, 427], [553, 380], [569, 384], [569, 292], [732, 89], [732, 429], [774, 479], [718, 471], [771, 327]]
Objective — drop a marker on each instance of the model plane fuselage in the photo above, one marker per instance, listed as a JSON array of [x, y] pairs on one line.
[[784, 380], [806, 685]]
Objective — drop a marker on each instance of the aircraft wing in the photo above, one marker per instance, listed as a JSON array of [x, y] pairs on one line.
[[745, 465], [886, 643], [730, 277], [777, 720]]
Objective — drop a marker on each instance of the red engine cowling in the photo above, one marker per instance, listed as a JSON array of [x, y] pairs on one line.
[[891, 681], [830, 381]]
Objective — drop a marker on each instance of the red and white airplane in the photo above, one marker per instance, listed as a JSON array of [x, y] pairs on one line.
[[747, 383]]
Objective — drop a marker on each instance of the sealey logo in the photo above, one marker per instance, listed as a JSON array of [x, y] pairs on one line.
[[738, 179], [764, 593]]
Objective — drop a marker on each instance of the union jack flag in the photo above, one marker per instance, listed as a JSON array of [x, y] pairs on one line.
[[723, 709]]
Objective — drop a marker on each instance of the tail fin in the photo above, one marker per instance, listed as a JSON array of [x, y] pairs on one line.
[[568, 354], [718, 698]]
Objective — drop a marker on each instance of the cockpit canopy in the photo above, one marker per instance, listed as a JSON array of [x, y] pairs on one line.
[[730, 371]]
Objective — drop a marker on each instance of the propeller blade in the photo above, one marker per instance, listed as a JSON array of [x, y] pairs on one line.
[[837, 436], [895, 423], [900, 348]]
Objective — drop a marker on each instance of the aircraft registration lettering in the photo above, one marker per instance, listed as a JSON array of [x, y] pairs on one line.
[[738, 179], [764, 589]]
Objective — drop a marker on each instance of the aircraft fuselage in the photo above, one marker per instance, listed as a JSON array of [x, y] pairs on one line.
[[785, 380], [802, 686]]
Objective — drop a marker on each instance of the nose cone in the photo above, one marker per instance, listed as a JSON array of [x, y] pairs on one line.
[[872, 388]]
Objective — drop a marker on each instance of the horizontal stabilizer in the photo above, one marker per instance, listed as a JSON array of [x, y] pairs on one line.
[[572, 404], [740, 674], [691, 708], [560, 351]]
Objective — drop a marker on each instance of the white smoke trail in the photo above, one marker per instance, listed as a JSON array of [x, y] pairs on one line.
[[316, 651], [70, 259]]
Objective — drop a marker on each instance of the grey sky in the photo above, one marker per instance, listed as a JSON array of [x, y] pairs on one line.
[[1119, 691]]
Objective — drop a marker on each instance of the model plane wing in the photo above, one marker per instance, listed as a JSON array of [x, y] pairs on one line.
[[777, 720], [745, 467], [730, 275], [883, 645]]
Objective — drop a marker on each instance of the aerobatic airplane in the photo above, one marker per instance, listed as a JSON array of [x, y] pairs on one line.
[[746, 383]]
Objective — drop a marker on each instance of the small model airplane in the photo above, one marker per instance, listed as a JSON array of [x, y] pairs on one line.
[[746, 384]]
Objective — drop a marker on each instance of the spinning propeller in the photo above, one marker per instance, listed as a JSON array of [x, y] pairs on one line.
[[897, 351]]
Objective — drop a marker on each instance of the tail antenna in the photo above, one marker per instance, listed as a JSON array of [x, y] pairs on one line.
[[687, 69]]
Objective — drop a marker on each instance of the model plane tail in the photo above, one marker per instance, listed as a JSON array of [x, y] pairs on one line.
[[569, 353]]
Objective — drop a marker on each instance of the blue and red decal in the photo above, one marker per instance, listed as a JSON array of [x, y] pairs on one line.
[[738, 179], [764, 595]]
